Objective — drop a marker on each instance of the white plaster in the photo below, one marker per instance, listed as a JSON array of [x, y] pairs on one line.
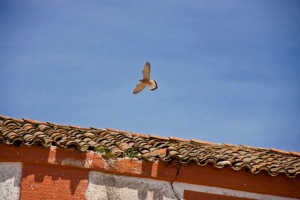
[[52, 148], [107, 186], [10, 180], [73, 162], [52, 159], [88, 163], [180, 187], [110, 164]]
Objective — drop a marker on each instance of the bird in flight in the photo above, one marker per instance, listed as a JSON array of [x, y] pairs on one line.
[[152, 85]]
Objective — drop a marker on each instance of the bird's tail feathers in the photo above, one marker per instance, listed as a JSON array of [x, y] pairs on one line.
[[152, 85]]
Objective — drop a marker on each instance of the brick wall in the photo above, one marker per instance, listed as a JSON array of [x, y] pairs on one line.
[[52, 173]]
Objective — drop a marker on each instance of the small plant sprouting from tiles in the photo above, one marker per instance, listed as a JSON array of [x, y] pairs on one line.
[[104, 150], [131, 153]]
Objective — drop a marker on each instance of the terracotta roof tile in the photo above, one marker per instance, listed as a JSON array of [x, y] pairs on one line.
[[118, 143]]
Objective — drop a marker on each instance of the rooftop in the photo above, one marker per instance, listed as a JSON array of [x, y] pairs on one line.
[[116, 143]]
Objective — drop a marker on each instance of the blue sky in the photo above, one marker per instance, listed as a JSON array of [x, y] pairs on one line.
[[227, 71]]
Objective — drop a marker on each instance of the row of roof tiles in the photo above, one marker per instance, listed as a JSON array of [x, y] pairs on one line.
[[115, 143]]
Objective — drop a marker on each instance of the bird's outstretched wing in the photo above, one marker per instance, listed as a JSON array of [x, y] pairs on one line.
[[146, 71], [139, 87]]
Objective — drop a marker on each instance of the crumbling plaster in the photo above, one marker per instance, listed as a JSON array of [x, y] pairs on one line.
[[107, 186], [10, 180]]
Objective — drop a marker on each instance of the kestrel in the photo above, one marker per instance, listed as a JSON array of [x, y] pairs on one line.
[[152, 85]]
